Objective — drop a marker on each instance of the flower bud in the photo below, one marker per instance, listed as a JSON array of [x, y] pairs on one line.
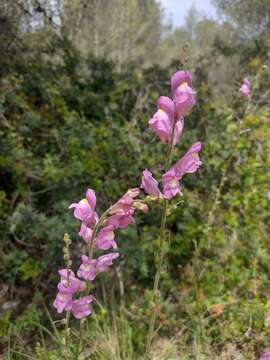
[[139, 205]]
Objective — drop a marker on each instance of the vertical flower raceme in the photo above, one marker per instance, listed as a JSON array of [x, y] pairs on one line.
[[168, 124], [245, 89], [99, 234]]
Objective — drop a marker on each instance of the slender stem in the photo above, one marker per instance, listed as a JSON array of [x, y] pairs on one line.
[[80, 340], [161, 249], [66, 334]]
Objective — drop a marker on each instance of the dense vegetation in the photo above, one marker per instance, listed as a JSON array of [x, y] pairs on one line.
[[74, 107]]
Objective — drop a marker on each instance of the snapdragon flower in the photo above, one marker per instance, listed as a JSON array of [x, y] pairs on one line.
[[149, 184], [89, 268], [162, 121], [67, 287], [171, 186], [81, 307], [105, 238], [85, 209], [86, 233], [190, 162], [182, 92]]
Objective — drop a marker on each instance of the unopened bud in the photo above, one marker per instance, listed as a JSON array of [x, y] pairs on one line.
[[139, 205], [67, 239]]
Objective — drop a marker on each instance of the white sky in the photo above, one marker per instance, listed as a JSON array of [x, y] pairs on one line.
[[176, 10]]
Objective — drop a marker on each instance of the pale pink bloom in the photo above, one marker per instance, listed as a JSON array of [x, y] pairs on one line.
[[121, 221], [161, 125], [182, 92], [86, 233], [67, 286], [265, 356], [81, 307], [71, 285], [105, 238], [189, 163], [161, 122], [171, 186], [63, 302], [149, 184], [184, 98], [87, 269], [103, 262], [84, 209], [179, 78], [64, 273], [123, 205], [245, 88]]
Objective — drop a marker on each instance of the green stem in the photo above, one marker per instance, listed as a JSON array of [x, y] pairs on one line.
[[66, 335], [160, 251], [80, 341]]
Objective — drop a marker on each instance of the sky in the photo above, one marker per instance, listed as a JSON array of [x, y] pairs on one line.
[[176, 10]]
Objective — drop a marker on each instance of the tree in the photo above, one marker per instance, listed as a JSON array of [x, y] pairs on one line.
[[123, 31], [251, 16]]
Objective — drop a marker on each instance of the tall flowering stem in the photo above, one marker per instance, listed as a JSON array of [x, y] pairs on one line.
[[161, 252], [168, 123]]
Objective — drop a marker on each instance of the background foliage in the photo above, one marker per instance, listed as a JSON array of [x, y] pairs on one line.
[[78, 83]]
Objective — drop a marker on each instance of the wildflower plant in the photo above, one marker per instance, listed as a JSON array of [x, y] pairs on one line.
[[98, 232], [168, 125]]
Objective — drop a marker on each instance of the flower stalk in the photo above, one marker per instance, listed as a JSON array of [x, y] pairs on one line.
[[161, 252]]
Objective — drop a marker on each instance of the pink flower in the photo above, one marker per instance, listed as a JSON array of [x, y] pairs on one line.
[[265, 356], [84, 209], [63, 302], [149, 184], [105, 238], [190, 162], [179, 78], [122, 206], [163, 119], [87, 269], [171, 186], [69, 285], [103, 262], [64, 273], [122, 211], [182, 92], [81, 307], [245, 88], [86, 233], [121, 221]]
